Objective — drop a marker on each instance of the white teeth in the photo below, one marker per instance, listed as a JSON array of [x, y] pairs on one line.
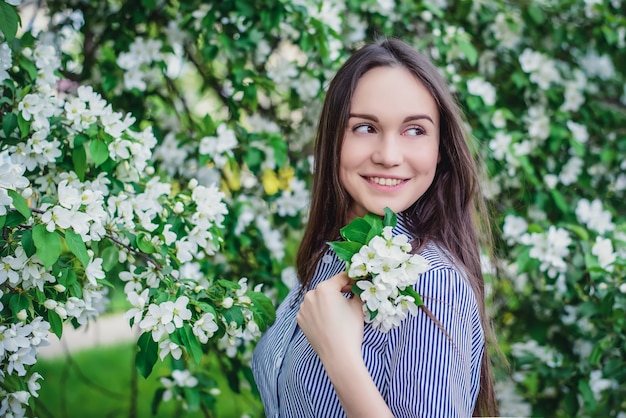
[[385, 181]]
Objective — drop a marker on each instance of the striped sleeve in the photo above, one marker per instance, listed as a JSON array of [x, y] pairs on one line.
[[432, 374]]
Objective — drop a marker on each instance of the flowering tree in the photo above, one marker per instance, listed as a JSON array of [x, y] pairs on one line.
[[165, 146]]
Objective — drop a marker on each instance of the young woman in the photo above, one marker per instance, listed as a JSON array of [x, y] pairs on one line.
[[390, 134]]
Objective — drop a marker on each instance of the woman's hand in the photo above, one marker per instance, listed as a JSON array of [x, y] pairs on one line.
[[332, 323]]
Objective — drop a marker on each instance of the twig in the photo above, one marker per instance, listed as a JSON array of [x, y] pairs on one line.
[[141, 254]]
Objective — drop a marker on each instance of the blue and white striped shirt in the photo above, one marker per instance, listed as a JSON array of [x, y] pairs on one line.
[[416, 368]]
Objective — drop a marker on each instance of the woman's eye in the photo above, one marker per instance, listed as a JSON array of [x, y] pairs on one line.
[[363, 129], [415, 131]]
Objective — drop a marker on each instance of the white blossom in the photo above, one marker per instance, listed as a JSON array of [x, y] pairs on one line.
[[550, 248], [579, 132], [603, 249], [167, 346], [571, 170], [220, 146], [477, 86], [594, 215], [205, 327]]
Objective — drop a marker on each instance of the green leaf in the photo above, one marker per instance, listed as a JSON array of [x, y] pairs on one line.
[[253, 158], [192, 397], [9, 123], [390, 218], [9, 20], [79, 159], [48, 245], [234, 314], [412, 292], [469, 51], [262, 309], [40, 296], [191, 343], [536, 14], [356, 231], [610, 34], [149, 5], [596, 354], [18, 302], [578, 230], [23, 124], [14, 218], [56, 323], [156, 400], [147, 355], [559, 200], [20, 203], [437, 11], [77, 246], [587, 394], [27, 243], [99, 151], [110, 257], [345, 250], [3, 219], [144, 243], [376, 226]]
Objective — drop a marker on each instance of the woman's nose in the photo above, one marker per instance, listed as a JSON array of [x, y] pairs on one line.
[[387, 151]]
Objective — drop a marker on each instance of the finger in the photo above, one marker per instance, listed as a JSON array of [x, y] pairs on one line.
[[339, 281]]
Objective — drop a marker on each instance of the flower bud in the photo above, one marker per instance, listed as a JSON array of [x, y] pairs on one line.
[[193, 183], [50, 304], [179, 208], [149, 170], [59, 288], [61, 312], [227, 302], [22, 315]]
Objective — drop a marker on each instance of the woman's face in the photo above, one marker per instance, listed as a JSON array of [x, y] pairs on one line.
[[390, 147]]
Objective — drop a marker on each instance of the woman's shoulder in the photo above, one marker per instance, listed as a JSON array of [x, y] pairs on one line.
[[439, 258], [445, 280]]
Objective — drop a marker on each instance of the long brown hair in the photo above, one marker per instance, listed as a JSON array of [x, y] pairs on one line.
[[449, 212]]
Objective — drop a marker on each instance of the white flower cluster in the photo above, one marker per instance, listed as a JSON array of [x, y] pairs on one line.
[[162, 320], [478, 86], [219, 146], [180, 379], [137, 63], [80, 207], [210, 211], [594, 216], [6, 61], [542, 69], [383, 269], [14, 404], [11, 178], [293, 200], [547, 355], [237, 335], [550, 248], [18, 350]]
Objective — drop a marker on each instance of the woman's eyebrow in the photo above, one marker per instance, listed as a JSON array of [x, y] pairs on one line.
[[407, 119], [363, 116], [418, 117]]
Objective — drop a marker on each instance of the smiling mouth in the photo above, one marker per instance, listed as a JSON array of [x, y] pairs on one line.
[[381, 181]]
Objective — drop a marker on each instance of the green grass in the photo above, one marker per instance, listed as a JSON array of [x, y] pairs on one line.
[[96, 383]]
